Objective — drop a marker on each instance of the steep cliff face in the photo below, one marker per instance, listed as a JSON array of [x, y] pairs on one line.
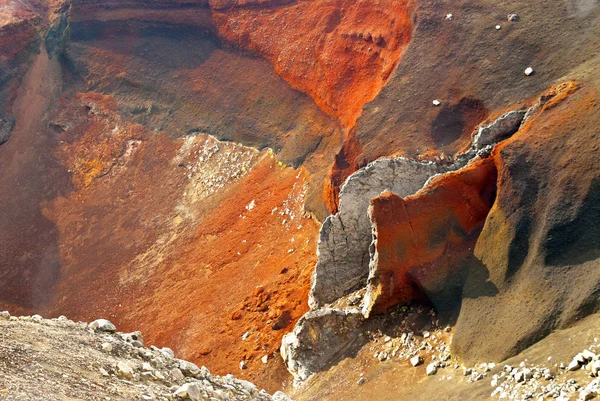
[[18, 43], [437, 244], [540, 243]]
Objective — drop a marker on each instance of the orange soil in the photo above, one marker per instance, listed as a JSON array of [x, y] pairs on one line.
[[418, 236], [345, 164], [340, 52], [159, 230]]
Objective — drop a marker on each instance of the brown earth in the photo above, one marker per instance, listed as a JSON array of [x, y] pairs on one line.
[[539, 244]]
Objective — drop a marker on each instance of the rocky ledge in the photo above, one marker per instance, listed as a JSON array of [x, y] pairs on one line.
[[76, 360]]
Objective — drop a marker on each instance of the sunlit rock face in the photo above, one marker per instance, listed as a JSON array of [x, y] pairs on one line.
[[539, 245]]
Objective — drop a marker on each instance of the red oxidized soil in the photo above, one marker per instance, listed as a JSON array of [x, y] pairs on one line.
[[136, 243], [340, 52]]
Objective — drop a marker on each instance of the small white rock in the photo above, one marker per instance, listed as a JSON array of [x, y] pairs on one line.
[[573, 365], [529, 71], [431, 369], [243, 365], [587, 354], [124, 369], [498, 27], [416, 360], [190, 391], [265, 359], [436, 103], [102, 325], [449, 17], [107, 347]]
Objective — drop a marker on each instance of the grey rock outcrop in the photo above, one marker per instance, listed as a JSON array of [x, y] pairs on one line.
[[320, 338], [344, 240], [500, 129]]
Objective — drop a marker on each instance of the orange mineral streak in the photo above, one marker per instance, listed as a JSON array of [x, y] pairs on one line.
[[340, 52], [347, 161], [421, 235]]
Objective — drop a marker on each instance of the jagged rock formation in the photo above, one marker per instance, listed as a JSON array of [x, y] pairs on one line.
[[345, 237], [421, 242], [77, 362], [320, 338]]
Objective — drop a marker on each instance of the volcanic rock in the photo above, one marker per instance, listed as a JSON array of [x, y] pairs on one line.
[[319, 340], [540, 226], [345, 237], [421, 241]]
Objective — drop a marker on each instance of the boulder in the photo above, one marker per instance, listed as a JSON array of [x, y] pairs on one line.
[[320, 339]]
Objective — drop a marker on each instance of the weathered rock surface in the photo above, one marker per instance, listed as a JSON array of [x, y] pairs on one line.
[[421, 242], [502, 128], [539, 246], [344, 240], [320, 339]]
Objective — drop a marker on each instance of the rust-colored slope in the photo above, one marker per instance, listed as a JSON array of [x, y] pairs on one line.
[[340, 52], [142, 228], [179, 80], [422, 238], [179, 232]]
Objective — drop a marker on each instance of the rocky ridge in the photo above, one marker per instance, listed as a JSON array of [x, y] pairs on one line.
[[95, 362]]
